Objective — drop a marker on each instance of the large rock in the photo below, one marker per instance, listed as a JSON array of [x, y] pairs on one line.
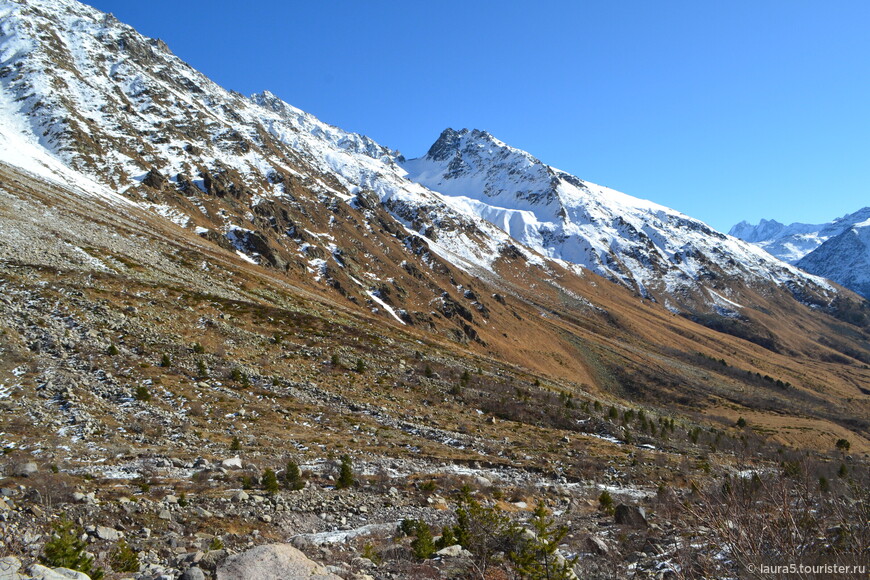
[[26, 469], [232, 463], [193, 574], [272, 561], [9, 567], [39, 572], [110, 534], [628, 515]]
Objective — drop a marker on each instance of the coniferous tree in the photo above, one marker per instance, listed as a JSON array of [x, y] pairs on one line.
[[345, 476], [67, 550], [293, 476], [270, 481], [536, 557]]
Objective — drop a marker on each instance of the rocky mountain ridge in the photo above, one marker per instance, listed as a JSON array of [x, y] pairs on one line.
[[121, 110], [836, 250]]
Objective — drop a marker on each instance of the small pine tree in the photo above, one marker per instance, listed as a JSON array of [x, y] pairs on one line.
[[345, 476], [843, 445], [112, 350], [293, 476], [447, 538], [198, 348], [842, 472], [270, 481], [124, 559], [360, 365], [423, 545], [165, 361], [741, 422], [201, 370], [235, 444], [613, 414], [141, 393], [605, 502], [536, 556], [824, 484], [427, 371], [465, 378], [66, 549]]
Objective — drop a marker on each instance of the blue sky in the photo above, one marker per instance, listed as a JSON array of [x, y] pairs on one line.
[[722, 110]]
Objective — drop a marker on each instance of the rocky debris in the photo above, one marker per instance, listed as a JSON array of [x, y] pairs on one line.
[[272, 561], [633, 516]]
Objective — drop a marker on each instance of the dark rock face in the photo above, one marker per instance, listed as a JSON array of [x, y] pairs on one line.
[[633, 516]]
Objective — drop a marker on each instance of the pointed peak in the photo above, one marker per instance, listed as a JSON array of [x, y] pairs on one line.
[[447, 144]]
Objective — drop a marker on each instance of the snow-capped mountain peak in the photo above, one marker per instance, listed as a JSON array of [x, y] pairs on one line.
[[644, 245]]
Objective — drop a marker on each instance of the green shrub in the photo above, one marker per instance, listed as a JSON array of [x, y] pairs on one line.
[[605, 502], [536, 556], [270, 481], [123, 558], [198, 348], [112, 350], [235, 444], [293, 476], [165, 361], [345, 476], [447, 538], [66, 549], [141, 393], [422, 545]]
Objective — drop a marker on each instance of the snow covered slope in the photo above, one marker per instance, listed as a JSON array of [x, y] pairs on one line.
[[792, 242], [656, 250]]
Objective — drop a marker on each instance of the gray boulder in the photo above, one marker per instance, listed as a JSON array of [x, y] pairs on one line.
[[272, 561], [9, 567], [633, 516], [39, 572], [193, 574]]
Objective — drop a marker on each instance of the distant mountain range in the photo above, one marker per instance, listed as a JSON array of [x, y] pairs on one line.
[[838, 250]]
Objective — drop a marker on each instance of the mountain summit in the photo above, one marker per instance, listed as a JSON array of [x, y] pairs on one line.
[[654, 250]]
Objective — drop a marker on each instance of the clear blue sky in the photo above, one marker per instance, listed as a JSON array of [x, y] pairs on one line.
[[722, 110]]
